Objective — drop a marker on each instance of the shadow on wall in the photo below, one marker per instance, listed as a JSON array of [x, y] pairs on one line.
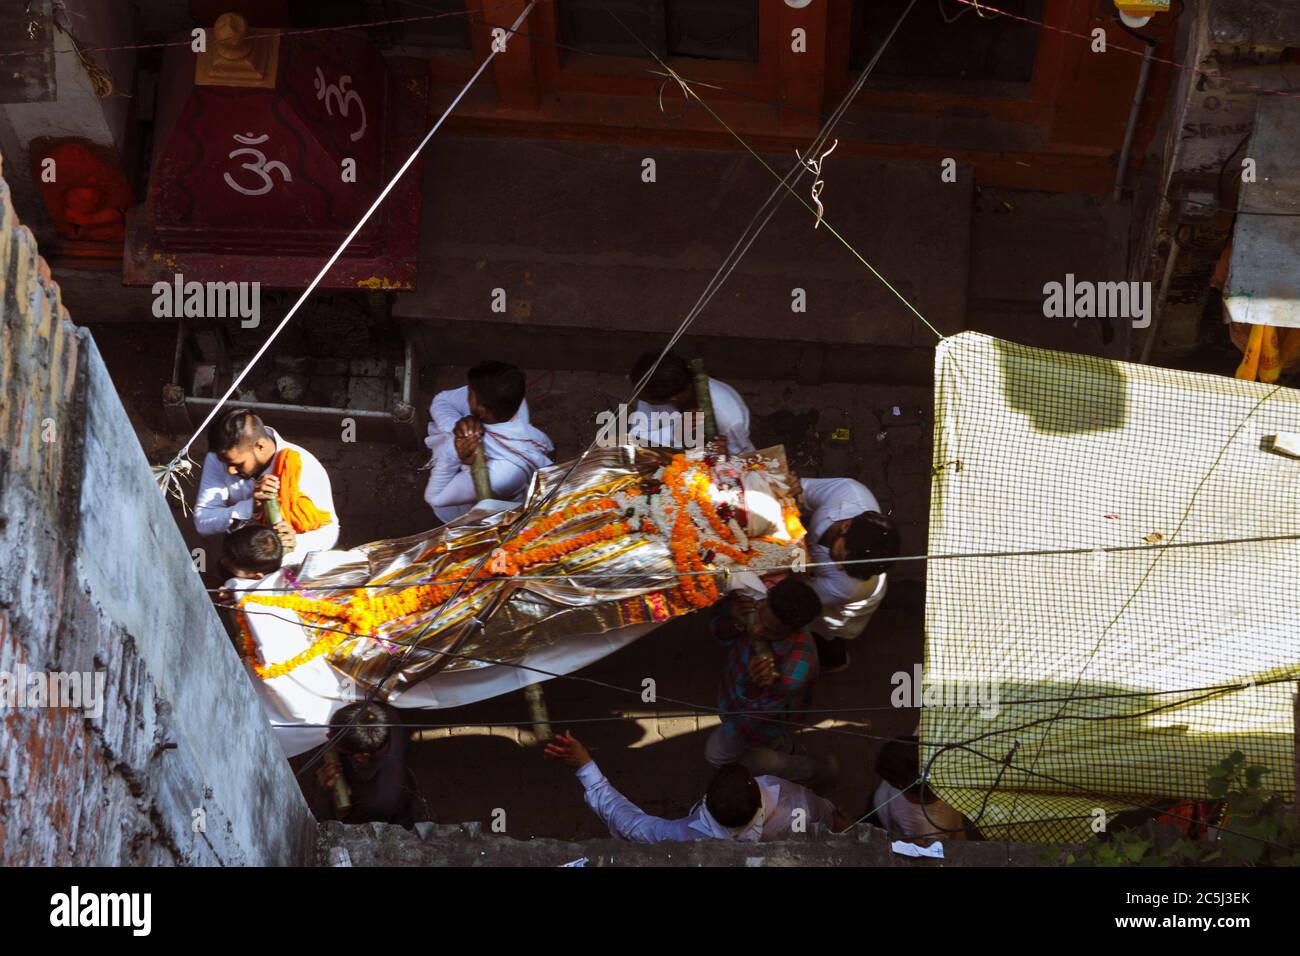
[[1041, 746], [1062, 393]]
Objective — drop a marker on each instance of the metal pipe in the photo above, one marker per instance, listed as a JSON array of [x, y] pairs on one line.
[[1130, 132], [305, 409], [1149, 346], [408, 368]]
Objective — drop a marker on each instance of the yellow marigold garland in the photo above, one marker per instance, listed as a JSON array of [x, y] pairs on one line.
[[365, 612], [324, 645]]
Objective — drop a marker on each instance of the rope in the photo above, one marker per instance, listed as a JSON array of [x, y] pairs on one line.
[[814, 150], [957, 556]]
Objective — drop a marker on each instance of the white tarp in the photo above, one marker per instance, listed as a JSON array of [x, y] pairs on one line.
[[1038, 450]]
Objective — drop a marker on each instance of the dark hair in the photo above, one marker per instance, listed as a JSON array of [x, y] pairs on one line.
[[499, 388], [237, 427], [871, 535], [794, 602], [672, 375], [733, 798], [253, 548], [365, 736], [899, 765]]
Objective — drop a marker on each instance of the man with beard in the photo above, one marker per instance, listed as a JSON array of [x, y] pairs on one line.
[[248, 464]]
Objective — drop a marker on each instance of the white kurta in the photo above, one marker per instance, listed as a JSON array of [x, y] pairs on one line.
[[298, 704], [225, 501], [513, 449], [729, 411], [903, 818], [847, 602]]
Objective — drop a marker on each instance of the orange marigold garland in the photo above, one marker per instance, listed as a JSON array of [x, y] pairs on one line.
[[366, 612], [687, 482], [517, 560]]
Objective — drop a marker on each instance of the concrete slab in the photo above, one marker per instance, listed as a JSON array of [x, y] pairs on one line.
[[575, 238], [1257, 292]]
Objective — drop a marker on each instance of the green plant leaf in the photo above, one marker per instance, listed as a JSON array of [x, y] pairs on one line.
[[1136, 851]]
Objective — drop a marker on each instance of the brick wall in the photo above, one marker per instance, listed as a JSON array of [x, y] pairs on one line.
[[94, 577]]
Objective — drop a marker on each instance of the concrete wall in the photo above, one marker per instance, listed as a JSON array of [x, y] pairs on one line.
[[1236, 47], [94, 577]]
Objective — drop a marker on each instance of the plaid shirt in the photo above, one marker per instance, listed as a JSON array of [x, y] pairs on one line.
[[797, 670]]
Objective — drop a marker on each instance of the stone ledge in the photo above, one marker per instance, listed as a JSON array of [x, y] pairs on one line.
[[468, 844]]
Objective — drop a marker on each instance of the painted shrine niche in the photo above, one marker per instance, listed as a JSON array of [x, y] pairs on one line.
[[86, 195], [269, 148]]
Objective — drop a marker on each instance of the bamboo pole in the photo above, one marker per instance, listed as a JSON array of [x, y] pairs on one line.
[[537, 711], [341, 793], [479, 469], [761, 647], [273, 515], [704, 398]]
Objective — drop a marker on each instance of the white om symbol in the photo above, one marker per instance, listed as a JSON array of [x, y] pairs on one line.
[[260, 166], [338, 93]]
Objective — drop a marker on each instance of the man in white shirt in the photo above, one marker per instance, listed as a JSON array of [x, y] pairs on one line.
[[237, 478], [737, 806], [490, 412], [905, 806], [845, 523], [670, 394]]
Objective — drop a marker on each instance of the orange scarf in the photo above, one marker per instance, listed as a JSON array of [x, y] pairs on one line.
[[295, 507]]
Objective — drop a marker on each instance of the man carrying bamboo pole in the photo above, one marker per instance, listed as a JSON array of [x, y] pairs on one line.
[[488, 415], [251, 470], [671, 392], [845, 524]]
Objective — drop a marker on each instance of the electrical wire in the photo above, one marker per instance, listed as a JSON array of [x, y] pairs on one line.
[[956, 556], [1204, 693]]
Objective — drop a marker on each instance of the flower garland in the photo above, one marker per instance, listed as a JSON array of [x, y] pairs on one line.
[[365, 613], [688, 483], [515, 561], [683, 483], [324, 645], [548, 524]]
